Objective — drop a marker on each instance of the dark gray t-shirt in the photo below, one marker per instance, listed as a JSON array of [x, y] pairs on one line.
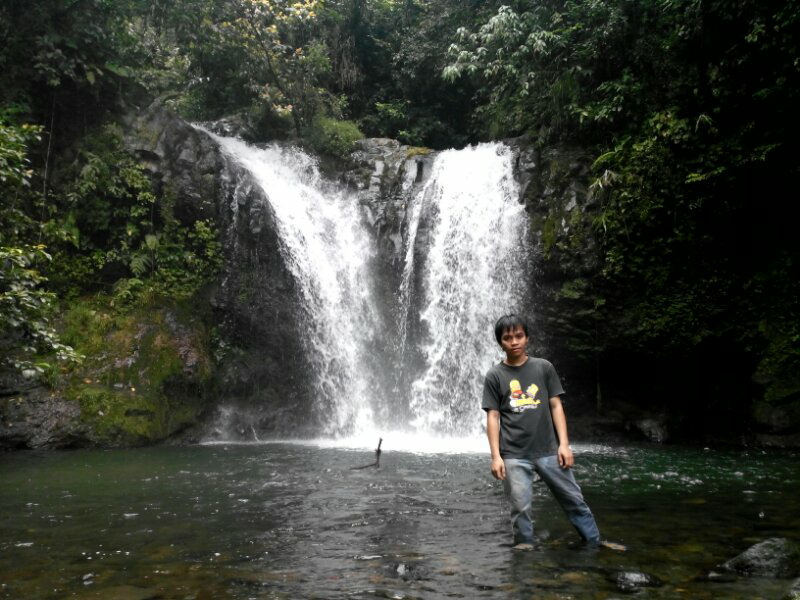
[[522, 395]]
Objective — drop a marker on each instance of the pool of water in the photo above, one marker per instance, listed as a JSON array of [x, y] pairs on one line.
[[281, 520]]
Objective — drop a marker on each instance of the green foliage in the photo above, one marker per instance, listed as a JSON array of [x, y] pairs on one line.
[[25, 310], [374, 63], [109, 208], [186, 259], [333, 138], [561, 68], [28, 338], [20, 202], [60, 59], [344, 59], [14, 163], [388, 118], [123, 236]]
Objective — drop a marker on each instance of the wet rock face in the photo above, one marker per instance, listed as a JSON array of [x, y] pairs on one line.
[[260, 362], [775, 557], [381, 170], [381, 174], [261, 359], [182, 162], [554, 186], [37, 418], [234, 126]]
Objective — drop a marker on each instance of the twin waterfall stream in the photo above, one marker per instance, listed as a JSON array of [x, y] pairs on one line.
[[462, 264]]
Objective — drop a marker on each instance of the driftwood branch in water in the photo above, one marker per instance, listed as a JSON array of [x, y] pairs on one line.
[[377, 463]]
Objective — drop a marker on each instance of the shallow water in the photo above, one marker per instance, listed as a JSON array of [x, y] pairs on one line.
[[294, 521]]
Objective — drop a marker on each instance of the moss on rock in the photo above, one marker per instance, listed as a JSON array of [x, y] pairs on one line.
[[145, 374], [413, 151], [549, 233]]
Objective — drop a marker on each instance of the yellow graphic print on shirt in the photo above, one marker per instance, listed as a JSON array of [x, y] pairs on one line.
[[523, 400]]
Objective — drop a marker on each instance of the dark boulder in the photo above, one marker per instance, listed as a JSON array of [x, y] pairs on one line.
[[37, 417], [775, 557]]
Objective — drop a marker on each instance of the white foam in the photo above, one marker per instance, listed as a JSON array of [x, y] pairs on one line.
[[416, 443]]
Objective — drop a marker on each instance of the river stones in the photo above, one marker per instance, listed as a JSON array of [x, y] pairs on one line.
[[774, 557], [633, 581], [409, 571]]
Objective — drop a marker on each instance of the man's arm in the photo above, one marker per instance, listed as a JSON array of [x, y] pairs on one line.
[[565, 458], [493, 432]]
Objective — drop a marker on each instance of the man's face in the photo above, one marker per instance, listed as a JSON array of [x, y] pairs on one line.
[[514, 342]]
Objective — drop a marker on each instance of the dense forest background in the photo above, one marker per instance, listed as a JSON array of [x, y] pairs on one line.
[[689, 109]]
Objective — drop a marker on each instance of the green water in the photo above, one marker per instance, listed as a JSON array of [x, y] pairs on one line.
[[294, 521]]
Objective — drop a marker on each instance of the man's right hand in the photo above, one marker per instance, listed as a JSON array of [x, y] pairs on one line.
[[498, 468]]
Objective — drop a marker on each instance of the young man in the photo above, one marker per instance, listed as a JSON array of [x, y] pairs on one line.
[[527, 432]]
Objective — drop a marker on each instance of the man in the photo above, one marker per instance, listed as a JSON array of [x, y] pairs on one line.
[[527, 432]]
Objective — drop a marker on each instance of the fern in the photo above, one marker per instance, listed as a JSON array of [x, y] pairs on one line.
[[141, 262]]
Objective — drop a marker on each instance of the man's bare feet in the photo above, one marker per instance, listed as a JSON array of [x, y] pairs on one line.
[[613, 546], [522, 546]]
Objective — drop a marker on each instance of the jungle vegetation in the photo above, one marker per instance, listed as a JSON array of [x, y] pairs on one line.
[[688, 108]]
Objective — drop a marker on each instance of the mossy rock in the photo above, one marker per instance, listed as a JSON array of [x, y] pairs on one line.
[[550, 229], [127, 418], [145, 375], [417, 151]]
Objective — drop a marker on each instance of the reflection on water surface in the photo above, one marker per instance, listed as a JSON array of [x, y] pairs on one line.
[[294, 521]]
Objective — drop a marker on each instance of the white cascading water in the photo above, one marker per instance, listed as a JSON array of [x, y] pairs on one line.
[[474, 271], [327, 249]]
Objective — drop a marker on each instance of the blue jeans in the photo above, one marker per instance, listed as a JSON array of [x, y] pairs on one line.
[[519, 491]]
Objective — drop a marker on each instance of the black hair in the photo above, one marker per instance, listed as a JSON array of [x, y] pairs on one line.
[[507, 322]]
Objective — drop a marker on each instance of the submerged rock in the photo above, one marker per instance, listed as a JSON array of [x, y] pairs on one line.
[[718, 577], [775, 557], [632, 581], [408, 571]]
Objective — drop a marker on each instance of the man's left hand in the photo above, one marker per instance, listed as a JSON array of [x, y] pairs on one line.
[[565, 458]]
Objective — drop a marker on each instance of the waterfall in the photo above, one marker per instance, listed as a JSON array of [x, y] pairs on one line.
[[463, 264], [326, 248], [474, 270]]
